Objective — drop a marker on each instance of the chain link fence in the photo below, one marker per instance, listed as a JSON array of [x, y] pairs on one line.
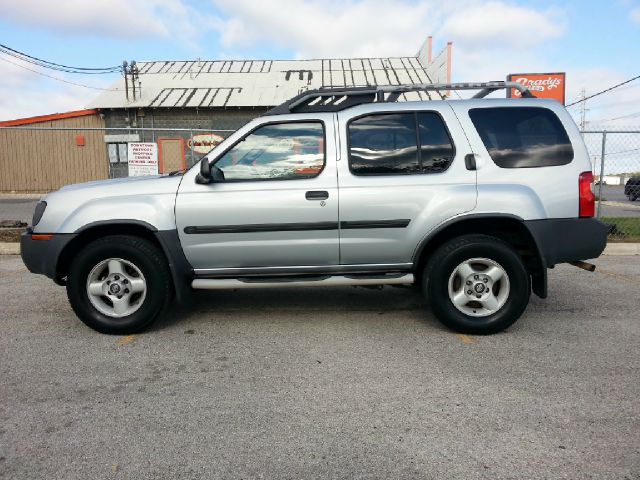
[[177, 148], [615, 160]]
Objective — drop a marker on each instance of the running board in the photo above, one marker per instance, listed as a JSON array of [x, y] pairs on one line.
[[336, 281]]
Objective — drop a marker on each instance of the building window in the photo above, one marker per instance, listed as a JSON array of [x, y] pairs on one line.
[[117, 152]]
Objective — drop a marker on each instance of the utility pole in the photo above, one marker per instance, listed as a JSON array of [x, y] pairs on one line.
[[583, 110], [126, 83], [131, 69]]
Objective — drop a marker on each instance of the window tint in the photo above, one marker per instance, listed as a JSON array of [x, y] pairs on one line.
[[284, 151], [522, 137], [383, 144], [436, 149], [386, 144]]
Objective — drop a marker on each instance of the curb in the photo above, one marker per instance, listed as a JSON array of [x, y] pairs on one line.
[[7, 248], [622, 249], [21, 196], [11, 248]]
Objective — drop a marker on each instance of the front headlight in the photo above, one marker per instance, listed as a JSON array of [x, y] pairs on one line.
[[37, 214]]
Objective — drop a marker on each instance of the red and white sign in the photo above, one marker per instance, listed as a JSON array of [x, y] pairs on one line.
[[142, 158], [203, 143], [541, 85]]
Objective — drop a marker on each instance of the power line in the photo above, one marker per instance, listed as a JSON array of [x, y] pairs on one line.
[[56, 66], [604, 91], [57, 78], [630, 115]]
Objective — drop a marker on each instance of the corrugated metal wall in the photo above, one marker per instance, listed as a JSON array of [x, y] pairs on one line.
[[41, 161]]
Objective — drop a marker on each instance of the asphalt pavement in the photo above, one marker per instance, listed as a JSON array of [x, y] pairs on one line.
[[324, 383]]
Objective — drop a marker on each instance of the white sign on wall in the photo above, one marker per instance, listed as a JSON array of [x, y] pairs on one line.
[[143, 159]]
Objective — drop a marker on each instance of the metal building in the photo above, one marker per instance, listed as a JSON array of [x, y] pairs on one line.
[[40, 154]]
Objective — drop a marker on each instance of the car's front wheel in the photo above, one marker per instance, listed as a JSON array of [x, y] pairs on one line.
[[477, 284], [119, 284]]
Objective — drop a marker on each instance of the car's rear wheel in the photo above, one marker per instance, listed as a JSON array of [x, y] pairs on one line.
[[119, 284], [477, 284]]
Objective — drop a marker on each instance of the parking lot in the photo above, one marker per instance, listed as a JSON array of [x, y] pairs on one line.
[[324, 383]]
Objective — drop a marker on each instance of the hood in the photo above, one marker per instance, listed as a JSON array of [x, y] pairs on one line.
[[146, 184], [148, 199]]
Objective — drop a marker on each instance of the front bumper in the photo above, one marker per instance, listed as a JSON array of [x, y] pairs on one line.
[[41, 256], [563, 240]]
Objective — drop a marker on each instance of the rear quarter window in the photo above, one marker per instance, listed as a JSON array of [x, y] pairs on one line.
[[522, 137]]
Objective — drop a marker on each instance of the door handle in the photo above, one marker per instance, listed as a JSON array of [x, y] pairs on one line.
[[316, 195], [470, 161]]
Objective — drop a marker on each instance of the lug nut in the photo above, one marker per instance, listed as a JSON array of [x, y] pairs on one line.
[[108, 282], [126, 290], [485, 280], [468, 282], [127, 281], [117, 277], [475, 277], [468, 292], [478, 296]]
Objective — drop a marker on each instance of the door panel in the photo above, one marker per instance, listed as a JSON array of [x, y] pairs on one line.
[[384, 216], [262, 223]]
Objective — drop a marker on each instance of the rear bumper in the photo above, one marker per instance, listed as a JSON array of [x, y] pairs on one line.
[[41, 256], [563, 240]]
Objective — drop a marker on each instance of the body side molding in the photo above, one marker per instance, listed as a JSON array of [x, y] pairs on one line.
[[296, 227]]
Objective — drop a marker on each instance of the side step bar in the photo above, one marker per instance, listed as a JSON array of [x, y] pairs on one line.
[[335, 281]]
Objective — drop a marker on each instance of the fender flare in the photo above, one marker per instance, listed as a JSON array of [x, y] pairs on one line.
[[539, 278]]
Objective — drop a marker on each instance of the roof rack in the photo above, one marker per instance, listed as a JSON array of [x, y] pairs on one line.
[[336, 99]]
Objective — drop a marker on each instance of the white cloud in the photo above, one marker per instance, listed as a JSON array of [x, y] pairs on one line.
[[502, 25], [24, 93], [613, 109], [120, 19], [634, 15], [316, 28]]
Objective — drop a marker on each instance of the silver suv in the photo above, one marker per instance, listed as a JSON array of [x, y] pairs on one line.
[[470, 200]]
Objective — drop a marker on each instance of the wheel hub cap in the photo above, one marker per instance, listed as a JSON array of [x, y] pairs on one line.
[[479, 287], [116, 287]]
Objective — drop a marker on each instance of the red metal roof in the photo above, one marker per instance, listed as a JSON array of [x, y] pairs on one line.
[[48, 118]]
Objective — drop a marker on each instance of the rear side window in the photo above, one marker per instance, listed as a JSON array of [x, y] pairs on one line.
[[387, 144], [436, 148], [523, 137]]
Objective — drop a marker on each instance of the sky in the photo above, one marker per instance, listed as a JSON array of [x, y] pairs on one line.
[[597, 43]]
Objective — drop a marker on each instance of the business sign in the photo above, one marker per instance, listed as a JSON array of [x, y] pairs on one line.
[[203, 143], [541, 85], [142, 158]]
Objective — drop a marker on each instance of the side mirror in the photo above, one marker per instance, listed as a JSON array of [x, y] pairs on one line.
[[217, 175], [204, 177], [209, 173]]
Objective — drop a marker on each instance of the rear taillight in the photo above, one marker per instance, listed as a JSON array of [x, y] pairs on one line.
[[587, 198]]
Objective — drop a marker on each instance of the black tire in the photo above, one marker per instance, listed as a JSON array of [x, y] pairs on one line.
[[146, 256], [460, 249]]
